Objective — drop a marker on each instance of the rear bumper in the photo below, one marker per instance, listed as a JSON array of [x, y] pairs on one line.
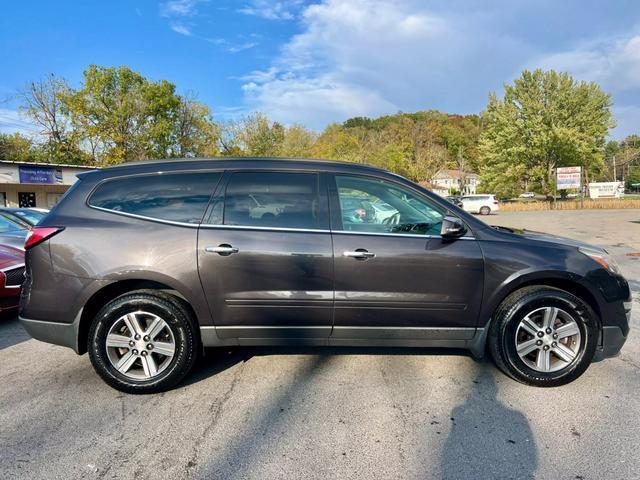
[[64, 334]]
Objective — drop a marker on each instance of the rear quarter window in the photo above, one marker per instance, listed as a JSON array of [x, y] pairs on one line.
[[179, 197]]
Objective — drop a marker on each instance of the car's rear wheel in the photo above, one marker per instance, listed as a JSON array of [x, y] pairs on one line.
[[543, 336], [143, 342], [485, 211]]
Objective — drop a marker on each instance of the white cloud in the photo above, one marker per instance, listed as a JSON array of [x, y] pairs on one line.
[[241, 46], [179, 8], [280, 10], [232, 47], [314, 101], [12, 121], [181, 29], [615, 63], [371, 57]]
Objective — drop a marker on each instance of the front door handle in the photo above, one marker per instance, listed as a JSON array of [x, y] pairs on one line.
[[223, 249], [360, 254]]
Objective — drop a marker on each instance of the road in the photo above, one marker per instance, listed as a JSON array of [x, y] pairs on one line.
[[331, 413]]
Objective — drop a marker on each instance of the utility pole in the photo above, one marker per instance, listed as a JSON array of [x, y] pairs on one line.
[[461, 166], [615, 177]]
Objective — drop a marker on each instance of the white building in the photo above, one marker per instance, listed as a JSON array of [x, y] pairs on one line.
[[451, 180], [443, 192], [26, 184]]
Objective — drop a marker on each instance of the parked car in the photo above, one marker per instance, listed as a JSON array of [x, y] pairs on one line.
[[13, 231], [482, 204], [528, 195], [144, 264], [30, 216], [11, 277]]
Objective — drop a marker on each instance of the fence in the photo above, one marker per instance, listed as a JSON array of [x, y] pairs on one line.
[[600, 204]]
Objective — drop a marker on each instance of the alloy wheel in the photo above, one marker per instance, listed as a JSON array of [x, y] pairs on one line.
[[140, 345], [548, 339]]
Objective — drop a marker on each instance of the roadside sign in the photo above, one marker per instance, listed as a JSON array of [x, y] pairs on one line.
[[606, 189], [568, 177]]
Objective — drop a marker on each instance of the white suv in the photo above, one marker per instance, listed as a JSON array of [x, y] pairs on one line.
[[482, 204]]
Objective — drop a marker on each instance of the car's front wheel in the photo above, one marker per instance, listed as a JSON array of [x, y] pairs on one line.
[[142, 342], [543, 336]]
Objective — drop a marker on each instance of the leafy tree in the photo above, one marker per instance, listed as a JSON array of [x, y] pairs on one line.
[[126, 115], [196, 133], [43, 102], [258, 136], [18, 148], [545, 120], [337, 144], [298, 142]]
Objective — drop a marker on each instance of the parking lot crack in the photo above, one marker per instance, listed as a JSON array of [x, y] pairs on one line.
[[215, 412], [397, 406]]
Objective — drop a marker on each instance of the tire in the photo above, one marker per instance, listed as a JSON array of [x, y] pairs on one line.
[[146, 366], [508, 336], [485, 211]]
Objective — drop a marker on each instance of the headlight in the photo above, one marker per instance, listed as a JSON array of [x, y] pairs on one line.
[[602, 258]]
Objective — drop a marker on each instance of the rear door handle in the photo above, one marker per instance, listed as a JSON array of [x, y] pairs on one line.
[[223, 249], [360, 254]]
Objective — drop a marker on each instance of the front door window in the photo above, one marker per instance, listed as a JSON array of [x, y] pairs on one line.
[[376, 206]]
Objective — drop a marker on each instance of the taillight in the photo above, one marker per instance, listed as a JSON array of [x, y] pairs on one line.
[[495, 202], [39, 234]]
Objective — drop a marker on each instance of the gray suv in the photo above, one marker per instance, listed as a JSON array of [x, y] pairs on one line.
[[144, 264]]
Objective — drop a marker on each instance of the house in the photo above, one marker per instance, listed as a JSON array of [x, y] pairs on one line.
[[443, 192], [454, 180]]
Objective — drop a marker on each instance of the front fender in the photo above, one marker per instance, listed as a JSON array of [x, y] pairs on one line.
[[497, 291]]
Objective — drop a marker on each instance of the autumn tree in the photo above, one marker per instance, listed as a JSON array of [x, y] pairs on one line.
[[43, 103], [196, 134], [18, 148], [544, 120]]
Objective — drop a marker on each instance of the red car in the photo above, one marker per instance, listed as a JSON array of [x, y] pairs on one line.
[[11, 277]]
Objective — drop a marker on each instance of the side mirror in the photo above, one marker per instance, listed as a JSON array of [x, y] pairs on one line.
[[452, 227]]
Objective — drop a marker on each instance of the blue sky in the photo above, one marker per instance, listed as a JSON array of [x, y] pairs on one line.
[[317, 62]]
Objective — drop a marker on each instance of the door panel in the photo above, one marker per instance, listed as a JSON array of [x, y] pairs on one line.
[[267, 269], [392, 268], [411, 282], [276, 279]]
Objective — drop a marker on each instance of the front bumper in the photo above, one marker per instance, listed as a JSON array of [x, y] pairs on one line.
[[612, 341], [614, 336], [65, 334]]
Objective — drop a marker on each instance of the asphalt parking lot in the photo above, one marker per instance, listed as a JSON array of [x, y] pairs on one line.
[[332, 413]]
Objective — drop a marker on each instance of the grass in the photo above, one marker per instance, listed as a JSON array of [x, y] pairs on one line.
[[600, 204]]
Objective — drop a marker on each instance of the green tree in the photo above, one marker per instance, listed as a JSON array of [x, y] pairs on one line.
[[545, 120], [335, 143], [196, 134], [126, 116], [18, 148], [43, 103], [256, 135], [298, 142]]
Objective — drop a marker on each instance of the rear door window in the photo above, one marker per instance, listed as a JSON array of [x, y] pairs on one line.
[[272, 200], [178, 197]]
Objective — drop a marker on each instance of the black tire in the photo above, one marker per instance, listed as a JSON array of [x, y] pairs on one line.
[[504, 327], [485, 211], [178, 320]]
